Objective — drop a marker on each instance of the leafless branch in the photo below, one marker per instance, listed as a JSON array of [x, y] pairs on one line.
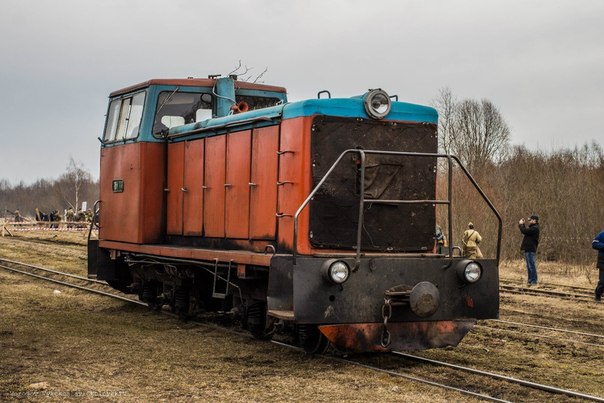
[[260, 75]]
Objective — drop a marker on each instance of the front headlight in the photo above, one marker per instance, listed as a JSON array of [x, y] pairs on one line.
[[472, 272], [469, 271], [336, 271], [377, 103]]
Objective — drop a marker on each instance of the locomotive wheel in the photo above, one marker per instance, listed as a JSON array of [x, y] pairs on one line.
[[148, 294], [312, 340], [256, 321]]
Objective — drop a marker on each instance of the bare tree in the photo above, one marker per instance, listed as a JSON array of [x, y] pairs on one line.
[[72, 182], [445, 104], [474, 131]]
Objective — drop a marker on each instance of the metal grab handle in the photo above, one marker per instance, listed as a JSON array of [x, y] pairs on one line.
[[323, 92], [450, 158]]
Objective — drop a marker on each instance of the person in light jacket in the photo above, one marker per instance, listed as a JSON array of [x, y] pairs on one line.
[[470, 240]]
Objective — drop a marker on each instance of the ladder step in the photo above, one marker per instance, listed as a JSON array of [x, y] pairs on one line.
[[285, 315]]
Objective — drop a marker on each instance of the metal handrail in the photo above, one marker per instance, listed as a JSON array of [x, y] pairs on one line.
[[362, 199]]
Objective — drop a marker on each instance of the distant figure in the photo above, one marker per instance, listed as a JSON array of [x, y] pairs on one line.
[[54, 217], [89, 215], [598, 244], [18, 216], [529, 246], [470, 240], [69, 217], [80, 216], [441, 241]]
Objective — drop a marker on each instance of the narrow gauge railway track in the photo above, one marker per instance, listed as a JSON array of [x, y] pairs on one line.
[[99, 287], [543, 332], [65, 279], [552, 286], [555, 291], [51, 276], [398, 374], [539, 391], [450, 378]]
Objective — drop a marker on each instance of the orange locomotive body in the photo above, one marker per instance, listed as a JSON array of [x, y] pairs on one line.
[[314, 217]]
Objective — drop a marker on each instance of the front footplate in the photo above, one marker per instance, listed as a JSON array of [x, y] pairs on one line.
[[406, 336]]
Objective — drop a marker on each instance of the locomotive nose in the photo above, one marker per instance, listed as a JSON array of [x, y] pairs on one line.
[[424, 299]]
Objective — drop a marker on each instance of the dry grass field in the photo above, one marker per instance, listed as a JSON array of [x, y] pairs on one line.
[[58, 344]]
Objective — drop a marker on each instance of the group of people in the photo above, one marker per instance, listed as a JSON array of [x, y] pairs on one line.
[[530, 242], [470, 240]]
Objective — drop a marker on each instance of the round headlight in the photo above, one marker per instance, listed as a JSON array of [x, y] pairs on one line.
[[468, 271], [338, 272], [472, 272], [377, 103]]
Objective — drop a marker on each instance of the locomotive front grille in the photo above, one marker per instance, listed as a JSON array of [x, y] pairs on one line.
[[386, 227]]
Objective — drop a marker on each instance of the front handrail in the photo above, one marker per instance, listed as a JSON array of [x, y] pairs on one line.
[[362, 200]]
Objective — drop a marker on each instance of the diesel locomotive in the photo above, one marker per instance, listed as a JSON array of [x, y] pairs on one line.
[[312, 218]]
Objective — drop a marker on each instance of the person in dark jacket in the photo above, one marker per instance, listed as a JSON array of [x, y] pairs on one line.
[[529, 245], [598, 243]]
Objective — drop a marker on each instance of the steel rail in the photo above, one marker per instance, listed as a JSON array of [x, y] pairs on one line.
[[53, 271], [71, 284], [534, 385], [542, 291], [545, 285], [556, 329], [553, 338], [397, 374], [547, 294]]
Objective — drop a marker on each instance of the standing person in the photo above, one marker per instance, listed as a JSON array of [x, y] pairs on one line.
[[598, 243], [441, 241], [529, 246], [470, 240]]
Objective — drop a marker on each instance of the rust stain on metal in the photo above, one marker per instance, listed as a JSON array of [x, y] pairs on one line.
[[469, 301], [366, 337]]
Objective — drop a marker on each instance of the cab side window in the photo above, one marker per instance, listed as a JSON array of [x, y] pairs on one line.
[[180, 108], [124, 117], [255, 102]]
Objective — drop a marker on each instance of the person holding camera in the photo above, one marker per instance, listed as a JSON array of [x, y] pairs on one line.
[[529, 245]]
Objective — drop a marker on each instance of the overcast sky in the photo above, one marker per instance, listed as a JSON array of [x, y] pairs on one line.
[[540, 62]]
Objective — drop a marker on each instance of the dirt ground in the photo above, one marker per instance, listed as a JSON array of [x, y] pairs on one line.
[[58, 344]]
